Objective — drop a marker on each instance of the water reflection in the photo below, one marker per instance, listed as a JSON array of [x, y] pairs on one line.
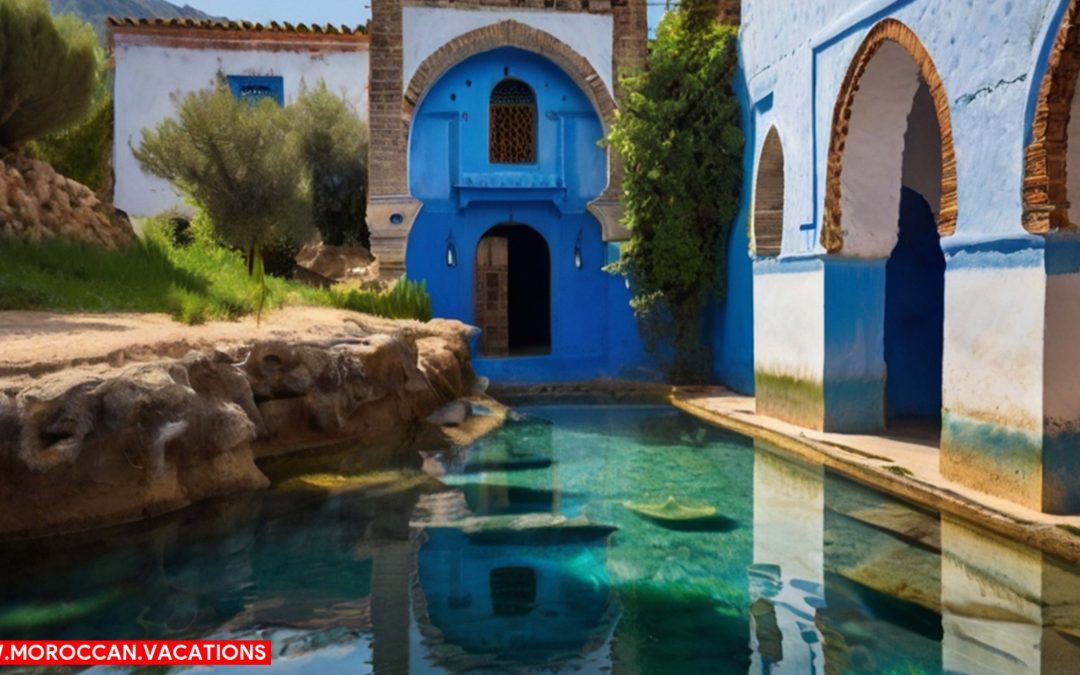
[[523, 556]]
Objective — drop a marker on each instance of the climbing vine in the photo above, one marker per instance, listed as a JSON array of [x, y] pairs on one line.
[[678, 133]]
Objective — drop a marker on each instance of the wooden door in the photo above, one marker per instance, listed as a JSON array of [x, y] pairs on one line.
[[492, 287]]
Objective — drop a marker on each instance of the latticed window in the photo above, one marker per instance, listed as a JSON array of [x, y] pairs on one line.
[[512, 135]]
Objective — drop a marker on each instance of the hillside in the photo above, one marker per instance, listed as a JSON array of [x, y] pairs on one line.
[[96, 11]]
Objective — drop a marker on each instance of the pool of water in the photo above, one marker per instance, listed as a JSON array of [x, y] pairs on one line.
[[628, 539]]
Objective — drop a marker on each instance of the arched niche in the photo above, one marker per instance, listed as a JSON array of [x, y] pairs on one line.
[[767, 224]]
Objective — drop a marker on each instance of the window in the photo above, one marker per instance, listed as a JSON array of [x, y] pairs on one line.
[[255, 88], [512, 135]]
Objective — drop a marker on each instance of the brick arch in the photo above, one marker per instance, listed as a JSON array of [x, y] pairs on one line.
[[511, 33], [887, 31], [1046, 198]]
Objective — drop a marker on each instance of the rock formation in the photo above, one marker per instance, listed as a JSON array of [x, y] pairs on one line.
[[84, 447], [37, 202]]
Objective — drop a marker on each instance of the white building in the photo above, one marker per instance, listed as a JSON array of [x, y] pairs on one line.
[[160, 60]]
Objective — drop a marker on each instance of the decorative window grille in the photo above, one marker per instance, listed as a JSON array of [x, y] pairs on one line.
[[254, 88], [512, 134]]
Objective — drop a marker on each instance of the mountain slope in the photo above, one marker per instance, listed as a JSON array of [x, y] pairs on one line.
[[96, 11]]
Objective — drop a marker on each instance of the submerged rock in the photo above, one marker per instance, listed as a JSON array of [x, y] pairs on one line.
[[85, 447]]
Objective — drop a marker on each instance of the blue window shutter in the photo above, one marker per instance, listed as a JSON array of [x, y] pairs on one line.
[[256, 87]]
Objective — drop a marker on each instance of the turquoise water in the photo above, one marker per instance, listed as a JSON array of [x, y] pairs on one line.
[[528, 552]]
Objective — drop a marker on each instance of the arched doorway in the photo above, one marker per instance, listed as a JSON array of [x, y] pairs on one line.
[[891, 192], [768, 224], [512, 287]]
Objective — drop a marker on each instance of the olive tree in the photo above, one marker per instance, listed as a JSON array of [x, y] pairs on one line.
[[237, 160], [333, 146], [48, 70]]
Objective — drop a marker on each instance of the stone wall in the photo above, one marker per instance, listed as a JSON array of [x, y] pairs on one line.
[[100, 444], [36, 202]]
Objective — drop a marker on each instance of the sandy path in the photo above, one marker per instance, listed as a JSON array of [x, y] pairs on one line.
[[34, 343]]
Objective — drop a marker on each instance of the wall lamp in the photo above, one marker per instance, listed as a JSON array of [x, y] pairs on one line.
[[451, 250]]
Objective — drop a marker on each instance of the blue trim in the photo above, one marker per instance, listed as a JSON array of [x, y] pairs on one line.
[[274, 83]]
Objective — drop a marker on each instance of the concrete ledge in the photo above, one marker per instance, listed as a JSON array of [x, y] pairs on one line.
[[902, 466]]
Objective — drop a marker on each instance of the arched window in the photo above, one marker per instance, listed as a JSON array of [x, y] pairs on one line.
[[512, 134], [768, 223]]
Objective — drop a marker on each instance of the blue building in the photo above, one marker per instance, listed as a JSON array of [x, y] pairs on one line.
[[497, 192]]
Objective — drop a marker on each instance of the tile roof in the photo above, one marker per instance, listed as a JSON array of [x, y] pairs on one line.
[[240, 26]]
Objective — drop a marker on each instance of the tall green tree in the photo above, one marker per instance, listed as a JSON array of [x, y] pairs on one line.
[[238, 161], [333, 145], [48, 71], [679, 136]]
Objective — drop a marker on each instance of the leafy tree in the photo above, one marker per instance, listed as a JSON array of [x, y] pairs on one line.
[[333, 145], [48, 70], [83, 151], [678, 133], [239, 162]]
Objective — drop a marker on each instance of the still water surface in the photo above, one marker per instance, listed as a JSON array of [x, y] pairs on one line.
[[530, 553]]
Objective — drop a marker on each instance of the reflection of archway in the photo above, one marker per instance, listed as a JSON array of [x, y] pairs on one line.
[[895, 194], [869, 122], [768, 221], [1048, 204], [513, 291]]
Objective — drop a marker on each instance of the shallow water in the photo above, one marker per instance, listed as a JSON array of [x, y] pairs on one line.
[[527, 555]]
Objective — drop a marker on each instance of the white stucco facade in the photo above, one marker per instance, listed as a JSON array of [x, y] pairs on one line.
[[149, 75], [426, 29], [1006, 377]]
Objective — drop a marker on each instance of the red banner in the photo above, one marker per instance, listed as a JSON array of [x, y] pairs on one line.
[[135, 652]]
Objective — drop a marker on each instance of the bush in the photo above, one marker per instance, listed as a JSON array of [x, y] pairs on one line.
[[239, 162], [48, 70], [333, 145], [678, 133]]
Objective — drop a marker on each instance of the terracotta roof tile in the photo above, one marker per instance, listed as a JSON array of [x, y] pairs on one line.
[[226, 25]]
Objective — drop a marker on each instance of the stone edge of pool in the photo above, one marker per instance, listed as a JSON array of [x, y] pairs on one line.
[[876, 465]]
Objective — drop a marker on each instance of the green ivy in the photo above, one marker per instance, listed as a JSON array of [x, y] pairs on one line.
[[678, 133]]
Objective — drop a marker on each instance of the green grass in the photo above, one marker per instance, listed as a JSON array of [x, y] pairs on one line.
[[193, 284]]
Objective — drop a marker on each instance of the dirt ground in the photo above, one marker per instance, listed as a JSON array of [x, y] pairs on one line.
[[36, 343]]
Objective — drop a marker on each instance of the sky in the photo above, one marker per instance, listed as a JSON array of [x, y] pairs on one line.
[[347, 12]]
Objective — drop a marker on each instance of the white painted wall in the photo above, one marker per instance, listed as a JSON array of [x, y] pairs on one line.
[[984, 51], [147, 75], [922, 150], [874, 153], [789, 329], [426, 29], [993, 359]]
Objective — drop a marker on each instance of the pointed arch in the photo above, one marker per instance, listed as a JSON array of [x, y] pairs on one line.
[[855, 87], [767, 224], [1046, 157]]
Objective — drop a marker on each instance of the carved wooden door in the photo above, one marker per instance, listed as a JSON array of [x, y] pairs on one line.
[[492, 286]]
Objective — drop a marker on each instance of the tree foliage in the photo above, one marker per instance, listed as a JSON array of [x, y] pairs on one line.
[[83, 151], [679, 136], [333, 145], [48, 70], [239, 162]]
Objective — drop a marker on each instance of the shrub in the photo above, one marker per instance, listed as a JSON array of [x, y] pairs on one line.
[[48, 70], [333, 145], [678, 133], [239, 162]]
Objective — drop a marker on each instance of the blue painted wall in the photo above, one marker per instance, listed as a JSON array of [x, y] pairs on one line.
[[593, 332], [731, 325], [914, 313]]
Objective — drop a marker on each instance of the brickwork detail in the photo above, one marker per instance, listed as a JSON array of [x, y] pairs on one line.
[[591, 6], [832, 237], [1046, 198]]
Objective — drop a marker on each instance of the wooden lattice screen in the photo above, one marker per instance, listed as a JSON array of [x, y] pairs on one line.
[[512, 132]]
